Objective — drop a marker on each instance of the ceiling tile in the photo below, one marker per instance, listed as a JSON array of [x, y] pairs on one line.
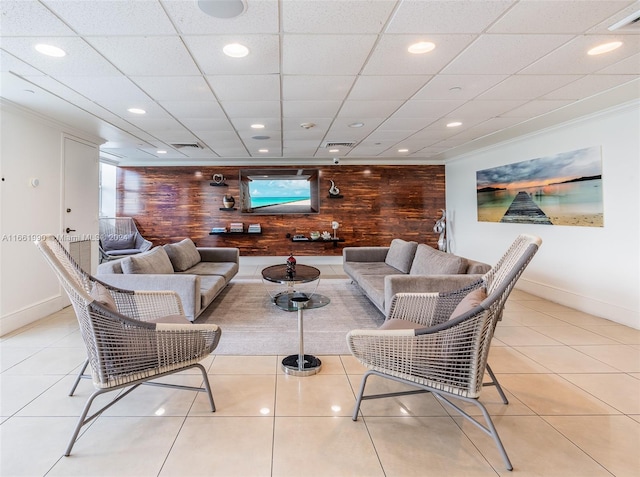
[[221, 126], [81, 59], [485, 109], [527, 86], [113, 17], [261, 16], [388, 87], [457, 87], [162, 127], [310, 109], [590, 85], [325, 54], [8, 62], [391, 57], [263, 57], [312, 88], [426, 109], [245, 87], [558, 16], [504, 54], [193, 109], [381, 136], [628, 66], [216, 130], [252, 109], [109, 88], [175, 88], [572, 58], [30, 18], [340, 129], [363, 109], [446, 16], [146, 56], [337, 16], [535, 108], [405, 124], [489, 126]]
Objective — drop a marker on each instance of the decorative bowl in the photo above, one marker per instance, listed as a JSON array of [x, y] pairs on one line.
[[315, 235]]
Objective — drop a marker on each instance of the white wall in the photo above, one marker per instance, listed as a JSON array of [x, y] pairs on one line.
[[593, 269], [31, 147]]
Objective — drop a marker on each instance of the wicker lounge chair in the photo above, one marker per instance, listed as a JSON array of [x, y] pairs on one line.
[[119, 237], [131, 337], [439, 342]]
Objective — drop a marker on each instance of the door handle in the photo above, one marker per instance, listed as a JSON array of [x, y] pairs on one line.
[[70, 230]]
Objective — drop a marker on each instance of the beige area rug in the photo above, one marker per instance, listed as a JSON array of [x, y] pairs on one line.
[[252, 325]]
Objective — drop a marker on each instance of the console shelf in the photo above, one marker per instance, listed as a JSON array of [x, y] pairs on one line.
[[320, 240]]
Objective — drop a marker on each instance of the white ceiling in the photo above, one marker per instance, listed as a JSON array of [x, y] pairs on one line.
[[501, 67]]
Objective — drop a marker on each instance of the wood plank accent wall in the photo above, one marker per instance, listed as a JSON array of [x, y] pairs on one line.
[[380, 203]]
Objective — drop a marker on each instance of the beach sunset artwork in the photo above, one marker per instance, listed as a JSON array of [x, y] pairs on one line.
[[561, 189]]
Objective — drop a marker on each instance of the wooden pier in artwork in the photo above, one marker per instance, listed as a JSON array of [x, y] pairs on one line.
[[523, 210]]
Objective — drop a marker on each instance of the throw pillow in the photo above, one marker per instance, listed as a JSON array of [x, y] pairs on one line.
[[183, 255], [118, 241], [400, 254], [469, 302], [429, 261], [155, 260], [101, 294]]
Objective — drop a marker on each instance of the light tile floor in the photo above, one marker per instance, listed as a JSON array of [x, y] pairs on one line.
[[573, 381]]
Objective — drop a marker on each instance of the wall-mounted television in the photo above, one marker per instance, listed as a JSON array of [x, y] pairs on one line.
[[279, 191]]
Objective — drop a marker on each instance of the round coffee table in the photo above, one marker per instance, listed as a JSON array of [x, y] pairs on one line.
[[291, 300]]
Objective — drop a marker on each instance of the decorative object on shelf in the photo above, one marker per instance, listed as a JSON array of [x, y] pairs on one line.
[[334, 226], [326, 235], [218, 179], [254, 229], [314, 234], [333, 190], [228, 201], [441, 228], [291, 265], [236, 227]]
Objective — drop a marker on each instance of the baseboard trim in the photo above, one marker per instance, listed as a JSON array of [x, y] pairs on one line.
[[30, 314], [608, 311]]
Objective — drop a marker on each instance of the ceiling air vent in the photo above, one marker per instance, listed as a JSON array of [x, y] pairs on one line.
[[628, 23], [339, 144], [190, 145]]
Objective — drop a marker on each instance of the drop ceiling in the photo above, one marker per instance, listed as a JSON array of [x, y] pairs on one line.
[[502, 68]]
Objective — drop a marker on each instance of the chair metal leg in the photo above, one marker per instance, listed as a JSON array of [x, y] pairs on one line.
[[207, 386], [360, 394], [79, 377], [490, 430], [494, 382]]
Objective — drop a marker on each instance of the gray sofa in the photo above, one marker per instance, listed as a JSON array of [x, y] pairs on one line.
[[197, 274], [407, 267]]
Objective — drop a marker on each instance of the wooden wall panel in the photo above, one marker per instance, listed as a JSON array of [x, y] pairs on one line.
[[379, 204]]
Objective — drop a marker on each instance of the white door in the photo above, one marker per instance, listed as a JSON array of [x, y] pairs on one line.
[[81, 201]]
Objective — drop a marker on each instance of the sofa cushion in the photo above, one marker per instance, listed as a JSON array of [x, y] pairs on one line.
[[228, 270], [118, 241], [210, 287], [183, 255], [429, 261], [400, 254], [154, 261], [101, 294], [469, 302]]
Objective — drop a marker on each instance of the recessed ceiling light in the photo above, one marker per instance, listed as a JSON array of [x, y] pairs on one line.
[[261, 138], [137, 111], [160, 151], [225, 9], [334, 150], [307, 125], [257, 126], [604, 48], [421, 47], [50, 50], [263, 150], [454, 124], [235, 50], [356, 125], [455, 89], [403, 150]]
